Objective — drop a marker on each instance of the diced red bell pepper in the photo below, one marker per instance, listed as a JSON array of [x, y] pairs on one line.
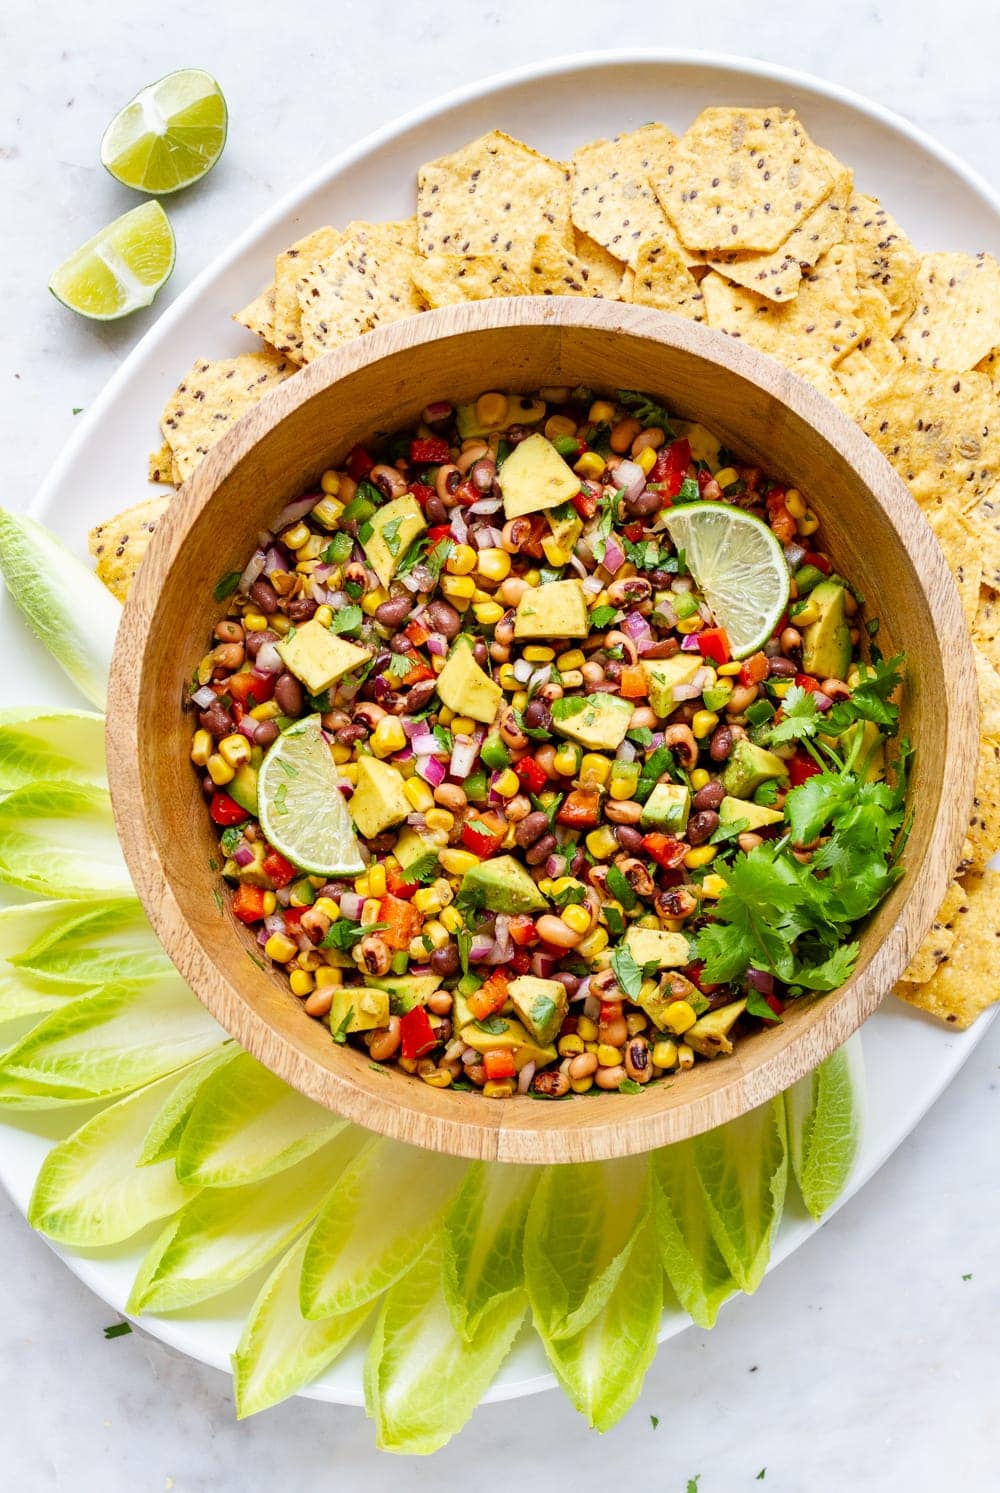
[[429, 451], [693, 972], [817, 561], [279, 871], [402, 921], [421, 492], [800, 768], [579, 809], [611, 1010], [417, 671], [755, 669], [776, 1005], [396, 884], [782, 523], [248, 903], [359, 463], [250, 689], [713, 643], [490, 998], [226, 811], [634, 532], [481, 838], [808, 683], [670, 468], [293, 918], [520, 962], [531, 774], [585, 503], [438, 531], [522, 929], [665, 850], [498, 1063], [467, 493], [418, 1036]]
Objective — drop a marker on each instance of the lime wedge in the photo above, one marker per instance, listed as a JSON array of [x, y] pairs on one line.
[[302, 810], [119, 269], [169, 135], [739, 567]]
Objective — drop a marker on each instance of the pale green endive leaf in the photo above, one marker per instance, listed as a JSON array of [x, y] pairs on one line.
[[743, 1169], [484, 1241], [825, 1112], [697, 1272], [164, 1133], [59, 840], [47, 745]]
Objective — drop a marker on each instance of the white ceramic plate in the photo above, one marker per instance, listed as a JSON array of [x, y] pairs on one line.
[[554, 106]]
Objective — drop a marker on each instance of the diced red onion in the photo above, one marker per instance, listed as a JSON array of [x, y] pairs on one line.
[[592, 1007], [283, 896], [423, 743], [481, 948], [524, 1078], [522, 670], [405, 754], [248, 728], [542, 965], [689, 643], [626, 752], [463, 756], [243, 855], [685, 692], [630, 476], [614, 556], [592, 585], [459, 527], [501, 935], [657, 741], [795, 554], [487, 538], [268, 660], [417, 820], [555, 864], [255, 566], [577, 564], [204, 697], [822, 702], [437, 644], [706, 613], [540, 678], [485, 505], [704, 677], [432, 770], [410, 581], [635, 626], [760, 979], [350, 905], [646, 645], [681, 585], [434, 413], [274, 923], [296, 510]]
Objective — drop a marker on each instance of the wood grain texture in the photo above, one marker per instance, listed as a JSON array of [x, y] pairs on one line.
[[873, 529]]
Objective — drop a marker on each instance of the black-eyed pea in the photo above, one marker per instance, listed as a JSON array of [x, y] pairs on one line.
[[610, 1078], [638, 1064], [583, 1066]]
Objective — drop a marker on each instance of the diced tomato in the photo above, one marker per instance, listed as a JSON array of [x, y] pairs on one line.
[[293, 918], [467, 493], [782, 523], [396, 884], [438, 531], [670, 468], [417, 633], [522, 929], [482, 837], [429, 451], [634, 532], [417, 1033], [421, 492], [611, 1010], [498, 1063], [359, 463], [818, 561], [693, 972], [250, 689], [402, 921], [225, 811], [278, 871], [579, 809], [808, 683], [520, 962], [633, 684], [754, 670], [531, 774], [585, 503], [490, 998], [713, 643], [248, 903], [664, 849], [800, 768]]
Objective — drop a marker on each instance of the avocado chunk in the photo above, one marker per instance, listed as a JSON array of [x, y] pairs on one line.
[[667, 808], [243, 789], [596, 721], [674, 988], [394, 527], [558, 545], [733, 810], [466, 688], [405, 991], [710, 1033], [313, 654], [254, 873], [417, 856], [504, 1032], [358, 1008], [520, 411], [656, 946], [826, 643], [748, 767], [557, 609], [502, 885], [541, 1005], [378, 801], [535, 477], [662, 674]]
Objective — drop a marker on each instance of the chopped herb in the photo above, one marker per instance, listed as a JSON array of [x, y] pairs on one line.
[[321, 703], [390, 533], [569, 895], [758, 1006], [627, 972], [279, 799], [340, 1035], [646, 410], [365, 532], [424, 869], [463, 938], [629, 1086], [760, 1476], [347, 619], [378, 1067], [615, 921], [399, 666], [644, 555], [729, 831], [620, 889], [767, 794], [226, 585], [690, 491], [443, 737], [641, 736], [117, 1329], [231, 837], [872, 626], [654, 1421], [217, 898], [693, 1482], [343, 934], [602, 617], [78, 410], [495, 1027], [254, 960], [213, 864], [967, 1277]]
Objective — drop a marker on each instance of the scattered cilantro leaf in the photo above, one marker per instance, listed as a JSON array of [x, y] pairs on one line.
[[226, 585], [620, 889], [629, 1086], [340, 1035], [343, 935], [627, 972], [654, 1421], [390, 533], [800, 718], [646, 410], [602, 617], [399, 666], [346, 620], [122, 1329], [758, 1006]]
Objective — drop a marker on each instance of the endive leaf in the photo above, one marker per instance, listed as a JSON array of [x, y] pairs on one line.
[[25, 994], [743, 1169], [95, 944], [582, 1223], [63, 602], [484, 1241], [90, 1190], [279, 1350], [825, 1113], [59, 840], [246, 1124], [164, 1134], [699, 1275], [602, 1368], [39, 745], [379, 1218], [224, 1234], [422, 1380], [107, 1043]]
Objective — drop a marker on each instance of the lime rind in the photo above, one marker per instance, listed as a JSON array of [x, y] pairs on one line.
[[302, 810], [121, 268], [739, 567], [169, 136]]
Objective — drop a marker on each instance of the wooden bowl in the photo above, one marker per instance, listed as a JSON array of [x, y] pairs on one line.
[[381, 382]]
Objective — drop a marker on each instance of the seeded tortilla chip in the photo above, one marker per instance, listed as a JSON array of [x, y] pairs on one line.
[[822, 377], [289, 267], [212, 398], [365, 281], [940, 939], [778, 275], [742, 180], [492, 198], [554, 271], [984, 521], [604, 271], [613, 197], [822, 322], [988, 681], [962, 551], [954, 323], [119, 544], [984, 822], [941, 431], [965, 982], [662, 279], [258, 317], [161, 467], [990, 365], [887, 261], [986, 628], [865, 369], [448, 279]]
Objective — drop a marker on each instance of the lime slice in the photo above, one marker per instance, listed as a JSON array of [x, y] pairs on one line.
[[302, 810], [739, 567], [169, 135], [119, 269]]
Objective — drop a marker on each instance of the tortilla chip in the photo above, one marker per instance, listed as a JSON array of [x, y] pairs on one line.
[[777, 275], [865, 369], [212, 398], [963, 552], [119, 544], [887, 261], [821, 322], [366, 280], [448, 279], [161, 467], [289, 267], [627, 285], [554, 271], [955, 321], [989, 696], [990, 365], [259, 315], [663, 280], [822, 377], [984, 822], [604, 271], [492, 198], [613, 199], [965, 982], [941, 431], [741, 180], [986, 628], [939, 941], [984, 521]]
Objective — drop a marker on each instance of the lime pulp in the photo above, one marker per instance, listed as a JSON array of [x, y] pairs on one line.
[[169, 136], [302, 810], [119, 269]]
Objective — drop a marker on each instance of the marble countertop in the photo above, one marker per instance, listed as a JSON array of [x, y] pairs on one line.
[[868, 1360]]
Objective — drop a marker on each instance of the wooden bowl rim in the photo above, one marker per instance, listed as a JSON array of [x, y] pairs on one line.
[[515, 1131]]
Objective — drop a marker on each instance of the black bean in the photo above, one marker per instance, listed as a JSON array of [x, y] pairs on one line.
[[266, 732], [265, 596], [709, 797], [479, 652], [393, 613], [530, 827], [419, 695], [628, 838], [301, 608], [434, 510], [348, 735], [288, 694], [721, 744], [783, 668], [217, 720], [540, 850], [445, 961], [702, 826], [537, 714], [443, 618], [645, 504], [256, 640], [666, 648]]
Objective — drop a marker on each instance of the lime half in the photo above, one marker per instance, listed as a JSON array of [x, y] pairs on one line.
[[302, 810], [739, 567], [119, 269], [169, 135]]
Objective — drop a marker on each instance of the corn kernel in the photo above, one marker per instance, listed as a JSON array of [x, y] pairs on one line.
[[301, 981], [571, 678], [728, 671], [370, 909], [296, 536], [328, 512], [637, 1022], [280, 948], [519, 700], [795, 503], [480, 597], [457, 862], [608, 1056], [506, 678], [361, 886], [557, 425], [458, 587], [533, 577], [376, 880], [563, 884], [570, 1045], [679, 1017], [622, 788], [491, 409], [807, 524], [700, 857], [703, 723], [700, 778], [601, 413], [254, 621], [451, 919], [646, 460], [438, 1078], [349, 772], [442, 819], [689, 624], [268, 711], [498, 1088], [327, 974], [427, 901], [493, 564], [388, 736], [685, 1056], [573, 659], [311, 550], [324, 616], [461, 560], [581, 1085], [564, 761], [713, 886], [507, 784], [330, 482], [418, 794], [595, 943], [488, 613], [463, 725], [340, 753], [665, 1053], [595, 770], [592, 1047], [201, 748], [328, 907], [590, 466], [555, 393], [372, 600], [557, 554], [536, 654], [586, 1029], [437, 933], [219, 770], [577, 917], [235, 750], [726, 477]]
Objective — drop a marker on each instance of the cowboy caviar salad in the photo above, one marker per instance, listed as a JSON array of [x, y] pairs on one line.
[[544, 750]]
